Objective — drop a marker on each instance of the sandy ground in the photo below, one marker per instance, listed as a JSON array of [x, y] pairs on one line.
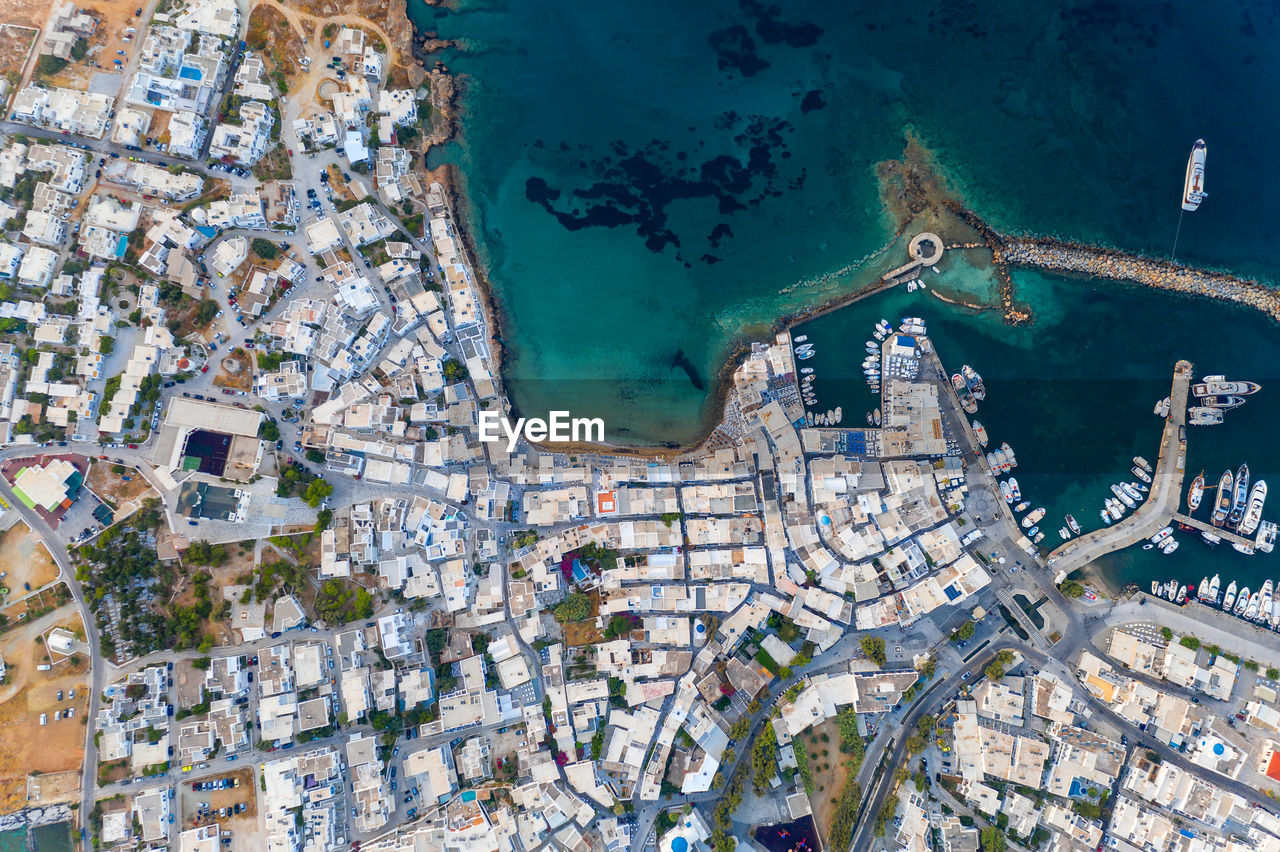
[[24, 557], [27, 745], [15, 46], [53, 787], [827, 782]]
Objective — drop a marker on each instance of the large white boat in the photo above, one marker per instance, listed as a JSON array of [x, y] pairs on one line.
[[1274, 621], [1142, 463], [1264, 604], [1193, 187], [1222, 500], [1213, 588], [1219, 386], [980, 432], [1253, 515], [1032, 518], [1251, 609], [1202, 416], [1202, 590], [1230, 597], [1169, 547], [1142, 474], [1240, 500], [1124, 498], [1072, 525], [1242, 603], [1162, 535]]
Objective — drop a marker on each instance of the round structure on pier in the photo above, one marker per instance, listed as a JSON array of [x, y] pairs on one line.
[[926, 248]]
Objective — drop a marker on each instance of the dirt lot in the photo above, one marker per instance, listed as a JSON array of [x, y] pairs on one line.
[[240, 377], [829, 770], [15, 45], [113, 487], [27, 746], [52, 787], [24, 556]]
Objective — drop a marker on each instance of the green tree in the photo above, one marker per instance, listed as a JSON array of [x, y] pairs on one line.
[[317, 491], [1167, 634], [1071, 589], [264, 249], [873, 647], [992, 839], [269, 431], [575, 607], [964, 632]]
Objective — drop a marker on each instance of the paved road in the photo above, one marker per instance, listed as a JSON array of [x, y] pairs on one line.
[[97, 665]]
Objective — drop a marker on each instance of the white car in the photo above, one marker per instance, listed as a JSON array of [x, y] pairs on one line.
[[219, 314]]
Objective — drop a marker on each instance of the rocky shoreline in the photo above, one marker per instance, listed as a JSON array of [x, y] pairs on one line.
[[32, 817]]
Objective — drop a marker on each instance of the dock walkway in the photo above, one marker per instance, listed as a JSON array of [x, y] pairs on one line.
[[1225, 535], [1162, 501]]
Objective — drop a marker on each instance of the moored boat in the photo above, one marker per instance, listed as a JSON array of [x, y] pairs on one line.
[[1196, 493], [1064, 533], [1210, 539], [1193, 192], [1213, 588], [1170, 547], [1123, 497], [1264, 605], [1022, 506], [1242, 602], [1251, 609], [1013, 487], [1072, 525], [1162, 535], [1202, 590], [1008, 451], [1230, 597], [1141, 474], [1222, 499], [1219, 386], [1202, 416], [1253, 514], [980, 432], [1142, 463], [1155, 588], [1033, 517], [1266, 539], [1222, 401], [1240, 499], [974, 382]]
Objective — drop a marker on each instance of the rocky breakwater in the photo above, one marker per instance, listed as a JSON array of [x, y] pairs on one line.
[[1043, 253]]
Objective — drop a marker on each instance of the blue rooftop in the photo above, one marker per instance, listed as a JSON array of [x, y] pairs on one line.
[[904, 340]]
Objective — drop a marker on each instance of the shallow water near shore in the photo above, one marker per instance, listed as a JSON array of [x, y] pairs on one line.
[[648, 182]]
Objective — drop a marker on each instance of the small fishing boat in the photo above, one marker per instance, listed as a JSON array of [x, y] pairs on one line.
[[1022, 506], [1196, 493], [1072, 525]]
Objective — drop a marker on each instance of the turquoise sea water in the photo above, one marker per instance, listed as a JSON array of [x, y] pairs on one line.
[[650, 184], [659, 179]]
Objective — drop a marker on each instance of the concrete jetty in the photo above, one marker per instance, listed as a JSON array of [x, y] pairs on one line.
[[1161, 503], [1225, 535]]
